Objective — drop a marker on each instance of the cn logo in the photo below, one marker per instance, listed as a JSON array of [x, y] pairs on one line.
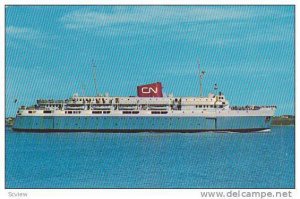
[[148, 90]]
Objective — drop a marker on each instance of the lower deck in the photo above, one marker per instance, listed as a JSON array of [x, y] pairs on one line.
[[140, 124]]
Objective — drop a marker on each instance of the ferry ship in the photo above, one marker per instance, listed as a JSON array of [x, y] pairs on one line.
[[149, 111]]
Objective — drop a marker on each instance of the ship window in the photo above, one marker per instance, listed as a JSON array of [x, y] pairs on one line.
[[47, 111], [106, 112], [126, 112], [211, 106], [200, 106], [135, 112], [164, 112], [97, 112], [155, 112], [29, 111]]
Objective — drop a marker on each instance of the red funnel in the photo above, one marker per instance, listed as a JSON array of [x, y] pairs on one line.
[[150, 90]]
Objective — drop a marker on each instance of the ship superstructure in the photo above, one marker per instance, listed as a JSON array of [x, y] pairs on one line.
[[150, 111]]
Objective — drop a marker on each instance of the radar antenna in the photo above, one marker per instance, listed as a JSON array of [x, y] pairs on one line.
[[201, 75], [95, 79]]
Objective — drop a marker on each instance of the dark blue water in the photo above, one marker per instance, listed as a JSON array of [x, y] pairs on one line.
[[148, 160]]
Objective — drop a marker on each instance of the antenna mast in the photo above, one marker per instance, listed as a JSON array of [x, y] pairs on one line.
[[95, 80], [201, 75]]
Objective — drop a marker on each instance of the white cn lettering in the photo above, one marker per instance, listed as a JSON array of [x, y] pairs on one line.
[[148, 90]]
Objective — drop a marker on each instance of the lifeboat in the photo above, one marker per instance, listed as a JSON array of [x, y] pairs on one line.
[[101, 107], [75, 107], [127, 107], [158, 107]]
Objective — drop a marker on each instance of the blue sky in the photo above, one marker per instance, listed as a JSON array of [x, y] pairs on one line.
[[247, 50]]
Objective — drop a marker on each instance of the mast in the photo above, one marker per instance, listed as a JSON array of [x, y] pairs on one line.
[[201, 75], [95, 79]]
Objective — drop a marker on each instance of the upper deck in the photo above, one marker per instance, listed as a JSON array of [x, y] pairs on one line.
[[118, 103], [211, 105], [149, 101]]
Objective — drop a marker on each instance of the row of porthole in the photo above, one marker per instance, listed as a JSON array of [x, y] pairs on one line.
[[115, 124]]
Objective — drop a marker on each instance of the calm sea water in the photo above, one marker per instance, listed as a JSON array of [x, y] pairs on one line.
[[149, 160]]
